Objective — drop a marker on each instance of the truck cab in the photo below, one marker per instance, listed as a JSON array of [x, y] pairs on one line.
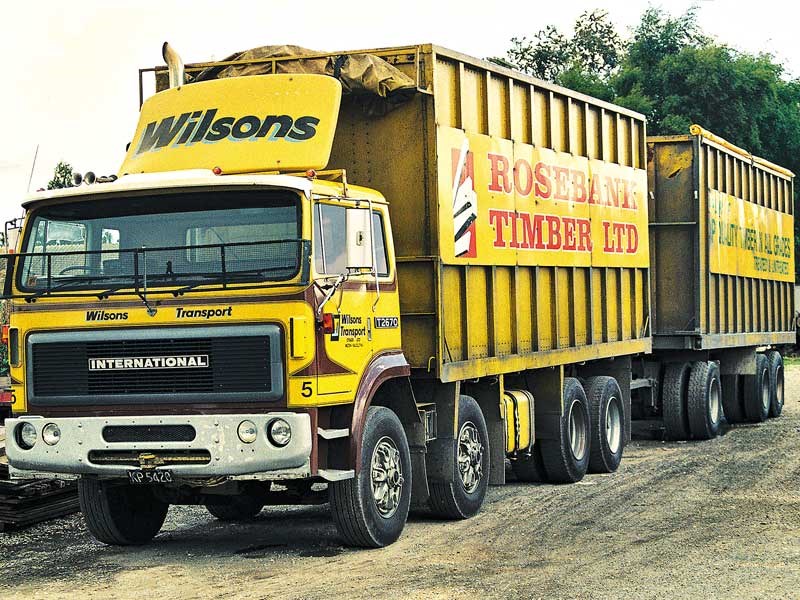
[[192, 335]]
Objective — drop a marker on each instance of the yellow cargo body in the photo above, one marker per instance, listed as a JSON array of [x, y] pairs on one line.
[[539, 273], [721, 243]]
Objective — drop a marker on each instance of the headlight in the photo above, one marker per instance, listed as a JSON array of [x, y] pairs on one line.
[[51, 434], [247, 432], [26, 436], [279, 432]]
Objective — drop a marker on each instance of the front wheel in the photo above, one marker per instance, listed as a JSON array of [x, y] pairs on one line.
[[463, 497], [370, 509], [120, 514]]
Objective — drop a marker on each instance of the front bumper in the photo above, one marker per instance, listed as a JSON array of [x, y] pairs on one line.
[[82, 444]]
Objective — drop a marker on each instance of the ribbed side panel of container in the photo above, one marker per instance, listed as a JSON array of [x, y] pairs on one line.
[[528, 278], [722, 242], [497, 273]]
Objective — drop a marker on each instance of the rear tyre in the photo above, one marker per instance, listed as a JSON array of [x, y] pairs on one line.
[[775, 361], [236, 508], [704, 401], [732, 398], [566, 458], [464, 497], [530, 468], [757, 391], [608, 424], [120, 514], [370, 509], [673, 401]]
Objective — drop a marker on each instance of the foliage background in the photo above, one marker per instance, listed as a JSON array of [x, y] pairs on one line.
[[668, 69]]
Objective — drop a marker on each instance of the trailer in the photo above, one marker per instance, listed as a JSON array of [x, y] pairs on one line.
[[483, 295], [722, 257]]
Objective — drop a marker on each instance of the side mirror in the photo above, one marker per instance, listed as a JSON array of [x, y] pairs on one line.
[[358, 228]]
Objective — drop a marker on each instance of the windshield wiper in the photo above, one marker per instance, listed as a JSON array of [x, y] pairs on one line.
[[61, 286], [224, 278]]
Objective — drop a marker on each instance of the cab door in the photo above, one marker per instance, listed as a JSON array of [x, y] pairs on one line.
[[343, 354]]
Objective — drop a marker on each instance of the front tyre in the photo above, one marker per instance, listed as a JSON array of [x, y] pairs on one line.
[[120, 514], [463, 497], [370, 509]]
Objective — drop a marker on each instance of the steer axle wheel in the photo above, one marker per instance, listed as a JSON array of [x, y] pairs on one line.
[[371, 509], [119, 513]]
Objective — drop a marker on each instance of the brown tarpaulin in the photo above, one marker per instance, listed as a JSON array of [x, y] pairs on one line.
[[377, 84]]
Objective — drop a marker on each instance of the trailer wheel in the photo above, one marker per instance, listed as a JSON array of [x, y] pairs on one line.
[[236, 508], [608, 424], [732, 398], [775, 361], [370, 509], [529, 468], [704, 400], [566, 458], [673, 401], [120, 514], [463, 497], [757, 391]]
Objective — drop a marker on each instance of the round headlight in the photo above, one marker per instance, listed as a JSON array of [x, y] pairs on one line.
[[26, 436], [247, 432], [279, 432], [51, 434]]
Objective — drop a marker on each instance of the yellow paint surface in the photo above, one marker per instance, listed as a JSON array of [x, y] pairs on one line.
[[247, 124], [511, 203], [749, 240]]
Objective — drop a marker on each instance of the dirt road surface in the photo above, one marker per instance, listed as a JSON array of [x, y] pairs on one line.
[[697, 520]]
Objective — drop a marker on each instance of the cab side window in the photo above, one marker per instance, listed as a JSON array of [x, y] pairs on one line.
[[329, 239], [330, 252]]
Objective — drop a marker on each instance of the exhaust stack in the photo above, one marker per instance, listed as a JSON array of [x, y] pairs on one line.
[[175, 65]]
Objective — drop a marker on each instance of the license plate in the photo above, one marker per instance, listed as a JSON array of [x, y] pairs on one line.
[[141, 477]]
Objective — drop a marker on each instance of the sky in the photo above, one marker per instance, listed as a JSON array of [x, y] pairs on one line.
[[70, 69]]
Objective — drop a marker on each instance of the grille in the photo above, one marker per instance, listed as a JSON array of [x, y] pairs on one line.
[[235, 364], [148, 433]]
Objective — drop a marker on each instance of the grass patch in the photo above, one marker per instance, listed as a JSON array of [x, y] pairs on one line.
[[791, 361]]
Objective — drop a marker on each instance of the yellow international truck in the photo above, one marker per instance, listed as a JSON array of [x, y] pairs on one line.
[[233, 315]]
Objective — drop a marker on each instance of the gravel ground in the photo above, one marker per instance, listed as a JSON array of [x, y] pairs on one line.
[[716, 519]]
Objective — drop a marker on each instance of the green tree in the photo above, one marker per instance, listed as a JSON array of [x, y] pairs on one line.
[[675, 75], [62, 177]]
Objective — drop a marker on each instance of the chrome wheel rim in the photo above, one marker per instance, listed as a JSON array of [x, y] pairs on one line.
[[470, 457], [765, 390], [714, 402], [577, 431], [613, 424], [387, 477]]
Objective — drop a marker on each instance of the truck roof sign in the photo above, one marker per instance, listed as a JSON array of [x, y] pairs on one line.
[[242, 124]]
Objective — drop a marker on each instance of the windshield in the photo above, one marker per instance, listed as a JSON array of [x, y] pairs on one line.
[[180, 239]]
